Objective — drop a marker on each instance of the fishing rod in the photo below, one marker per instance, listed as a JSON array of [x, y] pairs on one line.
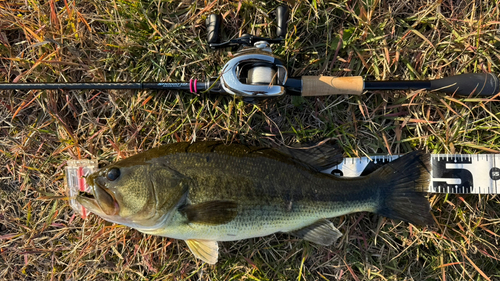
[[254, 72]]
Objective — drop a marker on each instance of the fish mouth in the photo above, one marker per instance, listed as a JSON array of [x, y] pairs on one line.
[[99, 199], [87, 195]]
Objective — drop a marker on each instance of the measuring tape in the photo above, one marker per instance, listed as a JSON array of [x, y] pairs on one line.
[[450, 173]]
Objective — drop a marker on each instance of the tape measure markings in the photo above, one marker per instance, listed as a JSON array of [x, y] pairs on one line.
[[450, 173]]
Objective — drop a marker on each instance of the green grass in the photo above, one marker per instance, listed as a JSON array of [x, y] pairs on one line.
[[91, 40]]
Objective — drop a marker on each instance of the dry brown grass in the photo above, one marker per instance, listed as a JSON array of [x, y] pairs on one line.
[[152, 40]]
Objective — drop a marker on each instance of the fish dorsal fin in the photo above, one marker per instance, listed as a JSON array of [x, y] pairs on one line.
[[321, 232], [205, 250], [210, 212], [320, 156]]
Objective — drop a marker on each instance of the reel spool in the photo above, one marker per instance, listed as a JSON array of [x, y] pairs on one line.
[[261, 75]]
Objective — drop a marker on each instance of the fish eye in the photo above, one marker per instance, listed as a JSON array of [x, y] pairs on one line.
[[113, 174]]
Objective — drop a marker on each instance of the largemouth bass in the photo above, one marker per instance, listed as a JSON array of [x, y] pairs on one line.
[[207, 192]]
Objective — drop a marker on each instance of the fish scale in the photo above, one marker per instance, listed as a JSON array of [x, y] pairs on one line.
[[207, 192], [264, 205]]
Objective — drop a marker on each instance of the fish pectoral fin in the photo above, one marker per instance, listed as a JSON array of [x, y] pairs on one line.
[[211, 212], [321, 232], [205, 250]]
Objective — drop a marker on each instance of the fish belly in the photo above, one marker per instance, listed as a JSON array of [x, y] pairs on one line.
[[255, 222]]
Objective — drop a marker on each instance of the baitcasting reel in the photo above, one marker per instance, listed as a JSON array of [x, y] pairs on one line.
[[254, 71]]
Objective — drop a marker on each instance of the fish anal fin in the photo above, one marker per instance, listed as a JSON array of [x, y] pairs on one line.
[[205, 250], [321, 232], [212, 212]]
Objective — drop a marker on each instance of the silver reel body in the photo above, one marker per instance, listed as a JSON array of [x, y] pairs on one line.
[[254, 72]]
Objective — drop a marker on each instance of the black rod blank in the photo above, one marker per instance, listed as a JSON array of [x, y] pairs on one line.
[[397, 85], [482, 84], [71, 86], [200, 86]]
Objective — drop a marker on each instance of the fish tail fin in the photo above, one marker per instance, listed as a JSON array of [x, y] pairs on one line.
[[402, 194]]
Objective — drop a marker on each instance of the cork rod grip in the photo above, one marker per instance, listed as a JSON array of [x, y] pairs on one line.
[[329, 85]]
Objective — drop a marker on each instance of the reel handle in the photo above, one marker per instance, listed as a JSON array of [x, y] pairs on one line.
[[282, 19], [213, 28], [213, 23]]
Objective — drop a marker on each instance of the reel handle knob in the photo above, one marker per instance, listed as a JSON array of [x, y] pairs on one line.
[[282, 19], [213, 28]]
